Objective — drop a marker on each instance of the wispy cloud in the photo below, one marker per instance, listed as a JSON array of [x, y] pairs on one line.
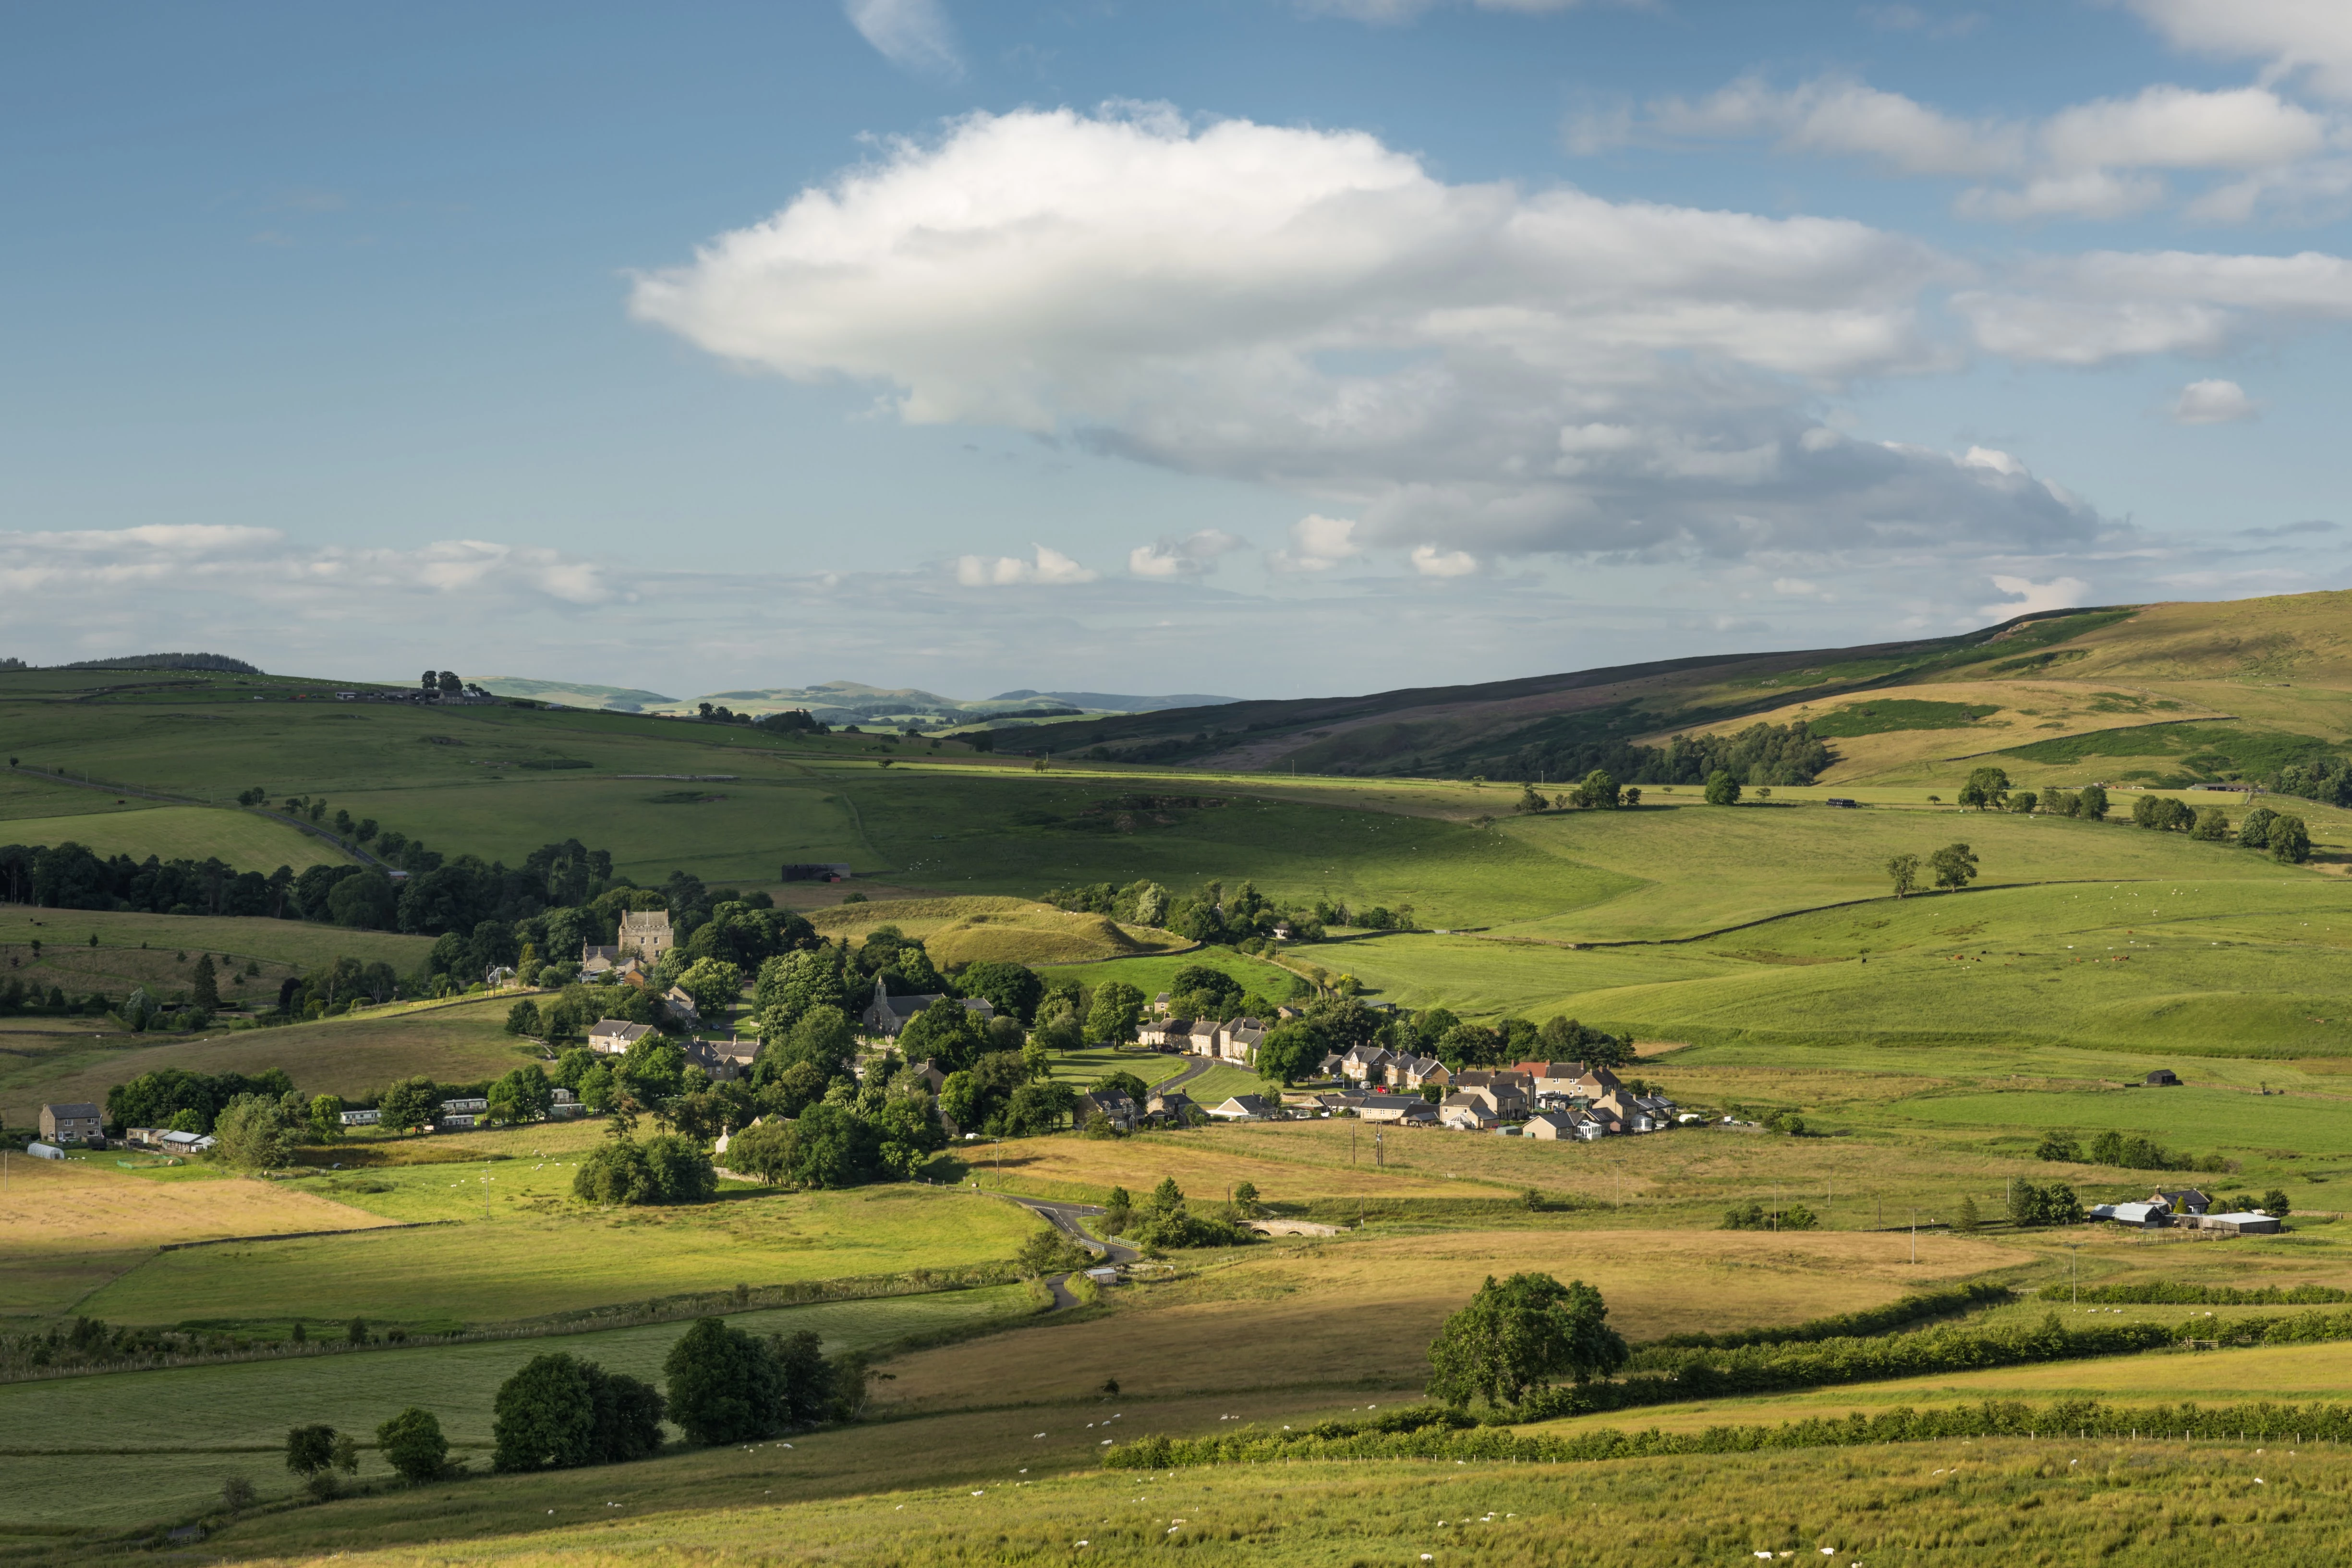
[[913, 35], [1187, 557]]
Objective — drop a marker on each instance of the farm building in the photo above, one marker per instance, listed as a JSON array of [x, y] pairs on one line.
[[1244, 1108], [76, 1121], [613, 1036]]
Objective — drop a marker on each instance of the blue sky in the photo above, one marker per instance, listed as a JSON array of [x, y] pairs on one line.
[[1247, 345]]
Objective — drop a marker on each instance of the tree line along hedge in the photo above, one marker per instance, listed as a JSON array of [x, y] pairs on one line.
[[1443, 1434], [2167, 1293], [1664, 1376]]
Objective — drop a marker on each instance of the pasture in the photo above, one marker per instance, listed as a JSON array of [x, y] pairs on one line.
[[243, 839], [355, 1056], [542, 1255], [126, 1468], [995, 930], [68, 1226]]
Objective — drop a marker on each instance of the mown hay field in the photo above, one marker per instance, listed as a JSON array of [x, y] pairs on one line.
[[67, 1227], [1358, 1312], [996, 929], [543, 1258], [134, 1468]]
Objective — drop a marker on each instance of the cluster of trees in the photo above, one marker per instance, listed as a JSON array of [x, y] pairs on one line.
[[1241, 916], [1165, 1222], [1954, 867], [664, 1169], [1760, 755], [2130, 1153], [1597, 791], [2287, 838], [1756, 1216], [178, 1101], [2172, 1293], [2327, 780], [886, 1126], [2033, 1204], [1989, 789]]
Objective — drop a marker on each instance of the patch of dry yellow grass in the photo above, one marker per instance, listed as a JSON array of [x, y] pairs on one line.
[[1359, 1310], [67, 1228], [1209, 1162]]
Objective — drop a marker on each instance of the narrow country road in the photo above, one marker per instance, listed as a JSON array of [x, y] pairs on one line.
[[1064, 1217]]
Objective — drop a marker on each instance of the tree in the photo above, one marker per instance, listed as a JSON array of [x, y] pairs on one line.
[[522, 1095], [1988, 788], [327, 1117], [522, 1018], [413, 1445], [1722, 789], [946, 1032], [2031, 1206], [832, 1147], [2212, 825], [1597, 791], [2091, 800], [1530, 800], [1118, 1007], [1013, 989], [1245, 1200], [616, 1171], [544, 1415], [310, 1449], [1905, 870], [2277, 1204], [2254, 833], [1967, 1219], [724, 1385], [2059, 1146], [2290, 841], [681, 1172], [203, 986], [713, 983], [1516, 1337], [763, 1150], [1954, 866], [1289, 1052], [409, 1105], [237, 1494], [254, 1132]]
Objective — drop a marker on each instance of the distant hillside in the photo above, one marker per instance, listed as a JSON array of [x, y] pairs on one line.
[[2166, 692], [1112, 702], [219, 661], [621, 699], [849, 702]]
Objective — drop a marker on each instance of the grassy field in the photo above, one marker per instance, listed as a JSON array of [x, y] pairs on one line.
[[292, 943], [995, 930], [355, 1056], [539, 1256], [135, 1469], [2036, 1501], [245, 839], [68, 1227], [1243, 1325]]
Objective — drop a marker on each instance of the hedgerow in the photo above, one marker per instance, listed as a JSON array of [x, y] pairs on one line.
[[1950, 1302], [2166, 1293], [1443, 1434]]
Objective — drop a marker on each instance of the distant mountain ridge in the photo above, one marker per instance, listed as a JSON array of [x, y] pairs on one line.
[[848, 701]]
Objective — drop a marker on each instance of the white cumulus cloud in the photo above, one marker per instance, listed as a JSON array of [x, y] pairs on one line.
[[2029, 597], [2311, 38], [1431, 562], [2213, 403], [1476, 367], [2104, 304], [1050, 567], [1187, 557], [913, 35], [1317, 543]]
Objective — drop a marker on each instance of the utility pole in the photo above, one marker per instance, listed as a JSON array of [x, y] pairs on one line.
[[1379, 1151]]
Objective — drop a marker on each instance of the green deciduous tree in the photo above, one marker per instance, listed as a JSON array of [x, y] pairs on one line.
[[1722, 789], [1118, 1007], [409, 1104], [310, 1449], [1290, 1051], [326, 1117], [2212, 825], [2290, 841], [258, 1133], [1954, 866], [2091, 800], [1517, 1337], [412, 1444], [522, 1095], [1905, 870], [2254, 833]]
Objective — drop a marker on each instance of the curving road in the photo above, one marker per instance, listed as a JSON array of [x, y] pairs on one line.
[[1064, 1217]]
